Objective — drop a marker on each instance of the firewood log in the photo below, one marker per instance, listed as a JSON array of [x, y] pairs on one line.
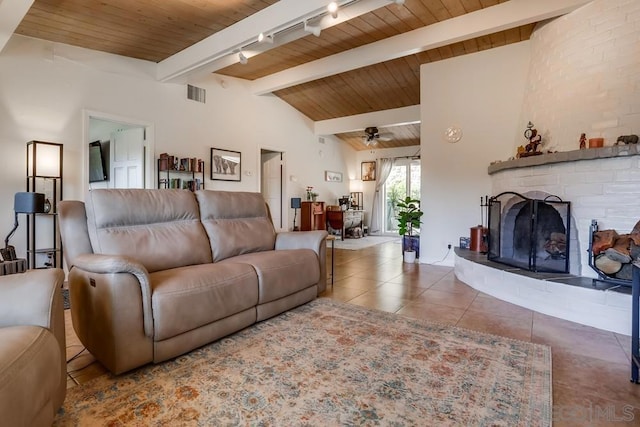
[[607, 265], [603, 240]]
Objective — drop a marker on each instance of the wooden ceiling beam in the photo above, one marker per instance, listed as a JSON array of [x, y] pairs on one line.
[[216, 51], [393, 117]]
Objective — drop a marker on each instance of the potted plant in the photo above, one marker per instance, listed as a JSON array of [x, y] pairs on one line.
[[409, 215]]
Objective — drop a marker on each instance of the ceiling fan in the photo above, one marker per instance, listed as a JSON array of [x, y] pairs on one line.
[[372, 136]]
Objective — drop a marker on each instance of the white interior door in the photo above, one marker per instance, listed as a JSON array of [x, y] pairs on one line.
[[127, 158], [271, 185]]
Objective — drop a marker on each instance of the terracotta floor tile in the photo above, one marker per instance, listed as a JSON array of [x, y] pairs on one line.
[[516, 328], [94, 370], [488, 304], [399, 291], [342, 294], [607, 379], [379, 302], [575, 338], [355, 282], [446, 298], [432, 312], [576, 409]]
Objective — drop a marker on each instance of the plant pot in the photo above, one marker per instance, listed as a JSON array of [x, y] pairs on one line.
[[411, 243], [410, 257]]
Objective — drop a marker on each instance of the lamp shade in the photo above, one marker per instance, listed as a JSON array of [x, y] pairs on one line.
[[295, 202], [28, 203], [44, 159]]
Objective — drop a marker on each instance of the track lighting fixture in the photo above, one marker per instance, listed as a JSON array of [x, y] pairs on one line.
[[265, 39], [333, 9], [315, 30], [243, 59]]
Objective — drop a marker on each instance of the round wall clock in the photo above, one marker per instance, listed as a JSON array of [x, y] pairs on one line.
[[453, 134]]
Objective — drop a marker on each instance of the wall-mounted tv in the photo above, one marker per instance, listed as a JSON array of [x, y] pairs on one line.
[[97, 167]]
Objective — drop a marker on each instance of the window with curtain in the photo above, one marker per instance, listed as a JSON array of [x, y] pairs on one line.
[[403, 180]]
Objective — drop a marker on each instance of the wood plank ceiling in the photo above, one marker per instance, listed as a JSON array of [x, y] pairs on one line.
[[154, 30]]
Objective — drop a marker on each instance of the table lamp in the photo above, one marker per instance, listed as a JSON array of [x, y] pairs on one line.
[[27, 203], [295, 205]]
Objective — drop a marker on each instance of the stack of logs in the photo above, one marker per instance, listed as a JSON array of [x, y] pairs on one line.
[[613, 252]]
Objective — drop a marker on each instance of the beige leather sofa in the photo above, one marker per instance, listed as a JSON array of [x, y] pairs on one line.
[[33, 369], [156, 273]]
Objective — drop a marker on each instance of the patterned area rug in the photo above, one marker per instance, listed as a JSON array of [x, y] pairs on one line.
[[363, 242], [329, 363]]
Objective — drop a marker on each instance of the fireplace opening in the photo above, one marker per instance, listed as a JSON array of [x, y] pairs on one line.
[[531, 234]]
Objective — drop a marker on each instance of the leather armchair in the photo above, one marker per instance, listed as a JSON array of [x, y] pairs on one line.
[[32, 348]]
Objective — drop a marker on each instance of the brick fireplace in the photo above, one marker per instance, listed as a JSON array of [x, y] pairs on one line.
[[602, 184]]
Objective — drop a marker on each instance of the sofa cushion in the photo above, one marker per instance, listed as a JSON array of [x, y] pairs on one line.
[[186, 298], [236, 222], [283, 272], [159, 228]]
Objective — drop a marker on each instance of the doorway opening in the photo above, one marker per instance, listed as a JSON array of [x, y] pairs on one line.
[[272, 166], [403, 181], [127, 151]]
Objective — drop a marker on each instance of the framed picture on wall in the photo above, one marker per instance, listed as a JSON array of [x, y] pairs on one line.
[[225, 165], [333, 176], [368, 171]]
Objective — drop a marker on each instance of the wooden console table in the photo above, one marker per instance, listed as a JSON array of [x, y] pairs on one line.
[[312, 216]]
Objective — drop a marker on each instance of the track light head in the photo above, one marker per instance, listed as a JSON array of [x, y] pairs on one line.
[[243, 59], [333, 9], [265, 39], [312, 29]]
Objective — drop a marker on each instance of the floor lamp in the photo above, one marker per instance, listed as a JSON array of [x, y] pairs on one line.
[[295, 205]]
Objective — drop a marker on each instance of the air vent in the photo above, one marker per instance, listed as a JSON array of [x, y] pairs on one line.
[[196, 94]]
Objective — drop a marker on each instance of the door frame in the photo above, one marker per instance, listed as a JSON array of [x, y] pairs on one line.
[[149, 152], [283, 182]]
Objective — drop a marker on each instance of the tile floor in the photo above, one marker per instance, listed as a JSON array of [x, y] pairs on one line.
[[591, 367]]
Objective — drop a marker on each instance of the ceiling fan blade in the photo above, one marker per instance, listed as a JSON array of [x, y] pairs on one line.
[[385, 136]]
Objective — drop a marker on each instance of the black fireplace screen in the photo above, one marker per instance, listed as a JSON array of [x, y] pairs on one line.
[[529, 233]]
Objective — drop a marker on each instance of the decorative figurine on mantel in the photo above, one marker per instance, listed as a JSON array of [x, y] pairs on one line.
[[535, 140], [583, 141]]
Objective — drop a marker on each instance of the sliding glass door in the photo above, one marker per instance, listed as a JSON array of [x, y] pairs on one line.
[[403, 180]]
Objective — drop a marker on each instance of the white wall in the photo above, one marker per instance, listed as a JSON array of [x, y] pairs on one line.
[[482, 93], [584, 75], [44, 88]]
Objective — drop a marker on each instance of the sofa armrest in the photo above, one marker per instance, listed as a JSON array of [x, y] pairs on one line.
[[314, 240], [301, 240], [35, 298], [31, 298], [115, 264]]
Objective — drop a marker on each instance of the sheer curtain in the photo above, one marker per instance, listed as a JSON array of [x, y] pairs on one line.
[[384, 169]]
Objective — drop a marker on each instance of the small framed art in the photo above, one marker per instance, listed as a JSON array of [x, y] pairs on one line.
[[368, 171], [333, 176], [225, 165]]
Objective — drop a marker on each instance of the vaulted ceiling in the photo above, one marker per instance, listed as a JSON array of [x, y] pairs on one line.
[[364, 63]]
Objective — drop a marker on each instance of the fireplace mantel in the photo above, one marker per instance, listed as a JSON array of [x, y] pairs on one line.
[[566, 156]]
